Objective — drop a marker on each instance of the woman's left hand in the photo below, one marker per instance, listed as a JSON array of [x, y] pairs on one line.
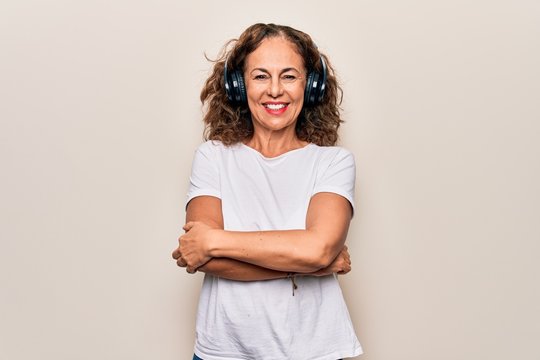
[[192, 251], [341, 264]]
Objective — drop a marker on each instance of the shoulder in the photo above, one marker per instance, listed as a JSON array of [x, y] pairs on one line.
[[212, 148], [332, 154]]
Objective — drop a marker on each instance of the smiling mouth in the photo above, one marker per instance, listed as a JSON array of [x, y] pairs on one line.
[[275, 107]]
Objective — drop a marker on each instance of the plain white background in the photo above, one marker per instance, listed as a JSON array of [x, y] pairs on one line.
[[100, 116]]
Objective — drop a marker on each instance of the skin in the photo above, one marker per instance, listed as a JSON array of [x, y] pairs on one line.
[[207, 210], [275, 76], [275, 73]]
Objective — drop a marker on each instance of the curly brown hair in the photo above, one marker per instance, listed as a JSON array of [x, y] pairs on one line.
[[231, 124]]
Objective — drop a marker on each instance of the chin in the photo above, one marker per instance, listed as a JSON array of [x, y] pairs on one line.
[[277, 126]]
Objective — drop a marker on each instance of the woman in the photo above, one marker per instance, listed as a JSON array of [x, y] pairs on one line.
[[269, 205]]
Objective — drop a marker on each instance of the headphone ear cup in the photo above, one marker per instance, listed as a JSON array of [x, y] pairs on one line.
[[311, 89], [234, 78], [315, 86], [307, 91], [228, 84], [235, 87], [242, 94]]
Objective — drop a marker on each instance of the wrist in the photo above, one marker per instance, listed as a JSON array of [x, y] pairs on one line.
[[213, 244]]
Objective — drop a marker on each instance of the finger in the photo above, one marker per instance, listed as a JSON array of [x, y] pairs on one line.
[[181, 262], [345, 267], [190, 270], [188, 225], [176, 254]]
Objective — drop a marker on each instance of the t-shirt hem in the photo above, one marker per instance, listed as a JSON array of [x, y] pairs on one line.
[[332, 356]]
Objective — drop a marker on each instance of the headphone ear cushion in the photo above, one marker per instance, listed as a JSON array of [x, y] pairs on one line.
[[315, 86], [228, 84], [241, 88], [316, 89], [307, 91], [312, 85], [237, 88], [234, 87]]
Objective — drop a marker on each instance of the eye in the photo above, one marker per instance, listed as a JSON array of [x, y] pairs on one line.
[[260, 77], [288, 78]]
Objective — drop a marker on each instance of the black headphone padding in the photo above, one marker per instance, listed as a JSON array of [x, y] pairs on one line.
[[310, 93], [235, 87]]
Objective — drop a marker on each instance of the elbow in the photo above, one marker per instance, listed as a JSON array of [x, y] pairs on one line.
[[322, 247], [319, 258], [326, 258]]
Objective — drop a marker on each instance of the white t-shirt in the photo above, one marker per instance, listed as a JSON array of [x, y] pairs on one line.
[[262, 320]]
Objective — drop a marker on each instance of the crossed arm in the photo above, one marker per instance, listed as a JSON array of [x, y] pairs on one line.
[[261, 255]]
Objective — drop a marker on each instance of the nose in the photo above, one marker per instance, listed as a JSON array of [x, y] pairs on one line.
[[274, 87]]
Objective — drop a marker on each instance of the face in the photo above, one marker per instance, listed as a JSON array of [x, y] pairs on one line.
[[275, 81]]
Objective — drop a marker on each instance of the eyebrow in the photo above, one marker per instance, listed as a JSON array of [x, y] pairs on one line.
[[281, 72]]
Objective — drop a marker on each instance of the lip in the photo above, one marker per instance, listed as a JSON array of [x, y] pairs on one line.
[[275, 111]]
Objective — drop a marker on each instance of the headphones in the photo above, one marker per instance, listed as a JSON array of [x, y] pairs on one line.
[[236, 89]]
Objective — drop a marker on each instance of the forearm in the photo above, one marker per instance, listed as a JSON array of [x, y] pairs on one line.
[[240, 271], [301, 251]]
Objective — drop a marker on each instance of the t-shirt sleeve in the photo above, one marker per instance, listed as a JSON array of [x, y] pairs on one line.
[[339, 177], [204, 179]]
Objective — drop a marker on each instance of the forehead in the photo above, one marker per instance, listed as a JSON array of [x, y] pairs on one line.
[[275, 52]]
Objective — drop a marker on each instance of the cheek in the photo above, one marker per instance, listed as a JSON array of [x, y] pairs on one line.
[[299, 97], [252, 105], [299, 93], [252, 96], [254, 89]]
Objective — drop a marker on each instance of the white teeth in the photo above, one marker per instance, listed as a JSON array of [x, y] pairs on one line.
[[275, 106]]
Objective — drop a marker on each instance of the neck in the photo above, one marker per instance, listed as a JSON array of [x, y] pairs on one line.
[[271, 144]]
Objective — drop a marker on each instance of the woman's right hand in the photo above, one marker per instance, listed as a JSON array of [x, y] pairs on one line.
[[192, 251], [341, 264]]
